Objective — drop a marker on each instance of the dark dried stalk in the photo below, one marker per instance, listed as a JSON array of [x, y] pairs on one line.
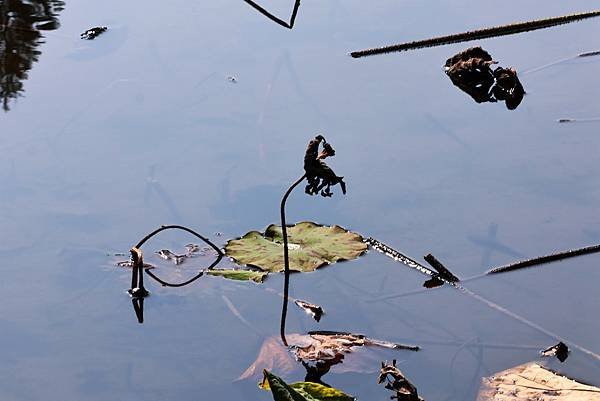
[[578, 120], [485, 33], [273, 18], [194, 233], [522, 264], [137, 274], [390, 252], [286, 260]]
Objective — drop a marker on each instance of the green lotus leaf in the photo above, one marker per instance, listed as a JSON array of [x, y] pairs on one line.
[[310, 246], [240, 275], [301, 391]]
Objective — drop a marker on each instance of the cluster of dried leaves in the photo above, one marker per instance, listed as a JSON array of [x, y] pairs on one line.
[[471, 71], [319, 175]]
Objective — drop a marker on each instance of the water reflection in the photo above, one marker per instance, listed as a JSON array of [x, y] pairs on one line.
[[21, 23], [138, 308], [138, 267]]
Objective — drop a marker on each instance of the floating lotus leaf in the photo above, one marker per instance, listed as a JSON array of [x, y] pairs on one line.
[[310, 246], [240, 275], [301, 391]]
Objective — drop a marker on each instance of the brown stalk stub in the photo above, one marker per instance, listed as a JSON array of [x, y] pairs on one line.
[[137, 289]]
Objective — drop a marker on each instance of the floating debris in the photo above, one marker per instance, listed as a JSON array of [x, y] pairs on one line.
[[274, 356], [129, 264], [396, 381], [485, 33], [93, 33], [560, 351], [168, 255], [191, 251], [470, 71], [433, 282], [400, 257], [441, 269], [333, 345], [578, 120], [315, 311]]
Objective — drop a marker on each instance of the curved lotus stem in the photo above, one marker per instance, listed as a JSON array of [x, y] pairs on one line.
[[286, 260]]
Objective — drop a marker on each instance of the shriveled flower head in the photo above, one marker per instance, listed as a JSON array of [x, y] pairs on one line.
[[319, 175]]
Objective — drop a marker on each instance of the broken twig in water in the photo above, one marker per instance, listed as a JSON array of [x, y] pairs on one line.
[[562, 60], [522, 264], [485, 33], [500, 269], [390, 252], [441, 269]]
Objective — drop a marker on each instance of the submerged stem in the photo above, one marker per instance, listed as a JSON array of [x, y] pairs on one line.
[[286, 260]]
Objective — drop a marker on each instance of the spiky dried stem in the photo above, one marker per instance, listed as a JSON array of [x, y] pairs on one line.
[[485, 33]]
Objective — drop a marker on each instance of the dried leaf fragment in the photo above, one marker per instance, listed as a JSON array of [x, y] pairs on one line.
[[92, 33], [313, 310], [395, 381], [560, 351], [471, 71], [533, 382], [332, 345]]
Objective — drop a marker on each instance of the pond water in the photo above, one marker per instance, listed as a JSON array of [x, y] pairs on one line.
[[144, 126]]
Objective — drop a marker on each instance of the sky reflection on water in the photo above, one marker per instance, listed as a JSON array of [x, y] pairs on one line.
[[141, 127]]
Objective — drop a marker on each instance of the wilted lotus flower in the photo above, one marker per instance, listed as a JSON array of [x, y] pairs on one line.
[[319, 175]]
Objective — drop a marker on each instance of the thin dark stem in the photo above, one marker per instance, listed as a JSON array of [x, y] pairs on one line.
[[571, 253], [485, 33], [273, 18], [286, 260], [177, 227]]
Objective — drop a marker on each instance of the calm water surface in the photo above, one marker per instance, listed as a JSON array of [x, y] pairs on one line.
[[141, 127]]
